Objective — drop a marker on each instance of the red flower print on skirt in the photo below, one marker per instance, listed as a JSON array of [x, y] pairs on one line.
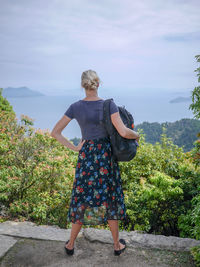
[[97, 194]]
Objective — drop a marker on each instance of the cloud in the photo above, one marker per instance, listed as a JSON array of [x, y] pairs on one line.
[[187, 37], [61, 38]]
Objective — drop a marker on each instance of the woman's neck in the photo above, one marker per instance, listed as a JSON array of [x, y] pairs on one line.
[[91, 96]]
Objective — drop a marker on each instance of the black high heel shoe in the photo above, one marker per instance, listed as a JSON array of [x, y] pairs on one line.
[[118, 252], [69, 251]]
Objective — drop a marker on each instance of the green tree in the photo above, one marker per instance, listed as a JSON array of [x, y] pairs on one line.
[[195, 106], [183, 132]]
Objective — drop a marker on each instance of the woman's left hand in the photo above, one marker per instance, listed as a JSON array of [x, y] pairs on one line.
[[79, 146], [137, 139]]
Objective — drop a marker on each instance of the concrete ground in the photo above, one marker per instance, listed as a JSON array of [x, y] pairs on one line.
[[27, 245]]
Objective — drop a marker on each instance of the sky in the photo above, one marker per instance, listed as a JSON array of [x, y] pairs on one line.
[[141, 46]]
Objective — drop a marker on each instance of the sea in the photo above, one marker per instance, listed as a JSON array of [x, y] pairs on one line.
[[46, 111]]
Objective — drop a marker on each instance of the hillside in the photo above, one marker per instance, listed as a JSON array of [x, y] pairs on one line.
[[180, 99], [20, 92], [183, 132]]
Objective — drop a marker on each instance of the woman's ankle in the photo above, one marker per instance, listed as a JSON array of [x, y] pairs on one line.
[[116, 245], [71, 243]]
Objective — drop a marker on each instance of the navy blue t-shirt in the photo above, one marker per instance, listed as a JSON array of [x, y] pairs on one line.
[[89, 115]]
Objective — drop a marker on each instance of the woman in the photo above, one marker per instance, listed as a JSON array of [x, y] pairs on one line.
[[97, 195]]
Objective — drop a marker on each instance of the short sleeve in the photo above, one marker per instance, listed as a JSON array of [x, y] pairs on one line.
[[113, 107], [69, 112]]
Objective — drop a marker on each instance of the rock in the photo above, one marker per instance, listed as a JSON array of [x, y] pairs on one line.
[[135, 239], [33, 252], [31, 230], [6, 242], [44, 246], [103, 236], [3, 210]]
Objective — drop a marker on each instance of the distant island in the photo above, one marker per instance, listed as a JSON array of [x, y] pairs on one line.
[[180, 100], [20, 92]]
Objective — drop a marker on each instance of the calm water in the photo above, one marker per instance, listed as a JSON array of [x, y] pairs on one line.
[[47, 110]]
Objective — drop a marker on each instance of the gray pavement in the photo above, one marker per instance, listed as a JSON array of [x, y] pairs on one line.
[[26, 244]]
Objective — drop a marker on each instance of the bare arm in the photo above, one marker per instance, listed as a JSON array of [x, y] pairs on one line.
[[122, 129], [56, 133]]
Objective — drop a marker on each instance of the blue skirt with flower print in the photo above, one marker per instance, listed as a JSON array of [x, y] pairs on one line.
[[97, 194]]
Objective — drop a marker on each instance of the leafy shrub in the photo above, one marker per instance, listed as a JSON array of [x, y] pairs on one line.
[[195, 107], [195, 251], [36, 171], [155, 204], [189, 222], [36, 178], [152, 207]]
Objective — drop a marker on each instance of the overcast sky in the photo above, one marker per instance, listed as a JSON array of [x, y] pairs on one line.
[[135, 46]]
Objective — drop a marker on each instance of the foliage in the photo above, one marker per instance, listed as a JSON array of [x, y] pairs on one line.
[[196, 152], [195, 251], [154, 205], [152, 131], [189, 223], [183, 132], [195, 106], [151, 206], [4, 104], [36, 171]]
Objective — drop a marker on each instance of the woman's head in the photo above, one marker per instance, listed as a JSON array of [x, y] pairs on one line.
[[90, 80]]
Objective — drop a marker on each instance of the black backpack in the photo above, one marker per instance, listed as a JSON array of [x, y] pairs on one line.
[[123, 149]]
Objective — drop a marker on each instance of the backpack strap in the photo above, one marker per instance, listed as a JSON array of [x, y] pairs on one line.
[[106, 116]]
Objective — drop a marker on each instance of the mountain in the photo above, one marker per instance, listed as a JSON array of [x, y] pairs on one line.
[[183, 132], [20, 92], [180, 99]]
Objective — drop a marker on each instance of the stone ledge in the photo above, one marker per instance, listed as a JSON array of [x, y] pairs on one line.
[[135, 239], [6, 242], [31, 230]]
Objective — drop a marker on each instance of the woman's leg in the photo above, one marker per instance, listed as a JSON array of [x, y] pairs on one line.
[[114, 228], [74, 232]]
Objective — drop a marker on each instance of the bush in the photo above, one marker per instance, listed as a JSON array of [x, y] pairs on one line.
[[155, 205], [155, 208], [36, 171], [195, 251], [189, 222]]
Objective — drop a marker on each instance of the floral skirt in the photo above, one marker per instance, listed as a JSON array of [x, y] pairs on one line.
[[97, 194]]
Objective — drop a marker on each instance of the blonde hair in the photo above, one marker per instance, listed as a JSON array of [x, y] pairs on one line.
[[90, 80]]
